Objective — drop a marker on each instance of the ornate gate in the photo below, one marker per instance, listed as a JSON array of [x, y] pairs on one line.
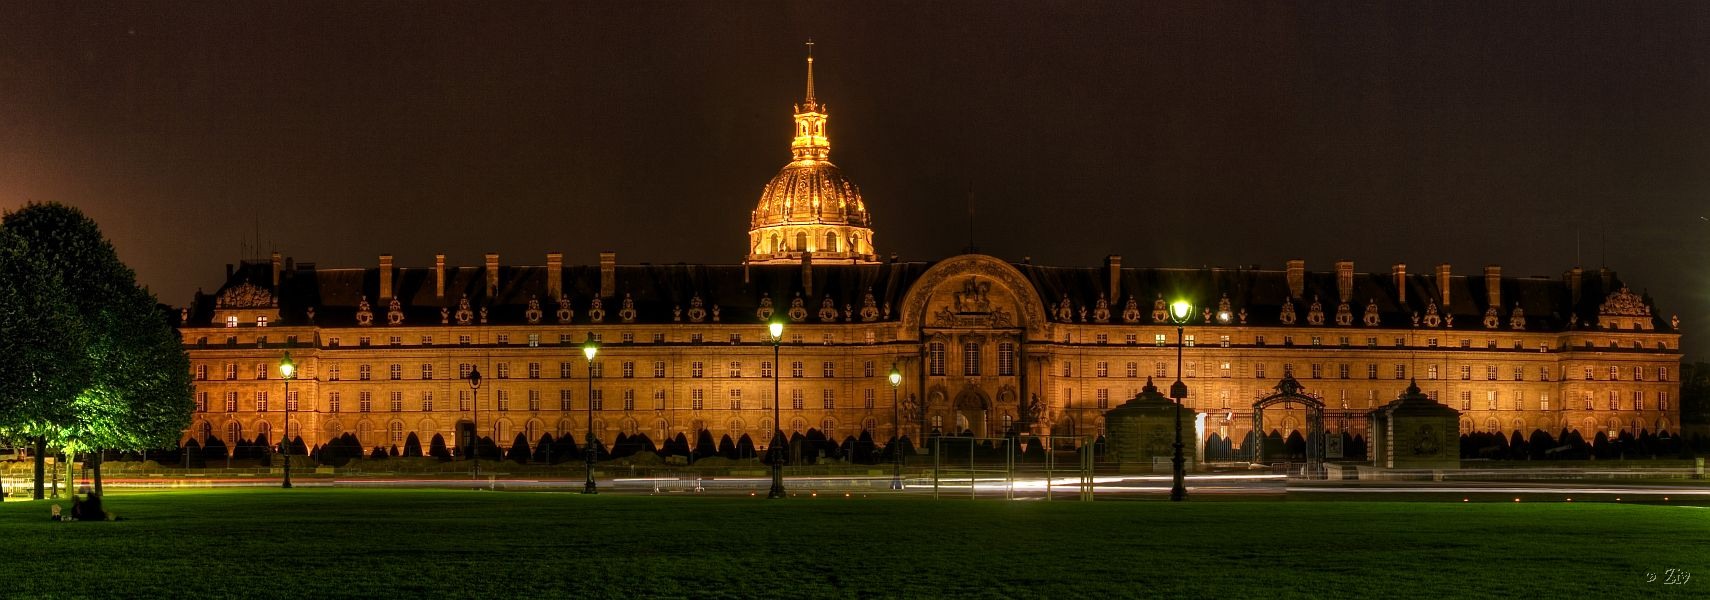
[[1288, 392]]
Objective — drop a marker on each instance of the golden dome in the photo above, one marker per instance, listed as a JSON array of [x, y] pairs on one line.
[[809, 206]]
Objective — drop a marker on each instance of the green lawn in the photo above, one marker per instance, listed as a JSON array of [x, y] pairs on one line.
[[433, 544]]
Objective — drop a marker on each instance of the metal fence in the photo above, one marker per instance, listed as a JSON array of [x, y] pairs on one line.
[[1042, 467]]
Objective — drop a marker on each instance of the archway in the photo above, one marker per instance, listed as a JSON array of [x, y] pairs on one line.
[[971, 409], [1289, 392]]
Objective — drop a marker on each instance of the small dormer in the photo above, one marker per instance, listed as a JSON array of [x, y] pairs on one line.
[[1624, 310], [245, 305]]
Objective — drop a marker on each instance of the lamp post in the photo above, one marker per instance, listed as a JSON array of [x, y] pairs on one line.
[[776, 329], [896, 417], [287, 371], [589, 349], [1179, 313], [475, 419]]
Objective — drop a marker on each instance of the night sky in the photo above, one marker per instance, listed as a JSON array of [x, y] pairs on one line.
[[1172, 134]]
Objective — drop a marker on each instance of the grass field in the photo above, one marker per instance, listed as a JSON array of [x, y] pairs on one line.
[[433, 544]]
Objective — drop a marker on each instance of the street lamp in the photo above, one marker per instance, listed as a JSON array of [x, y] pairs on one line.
[[1179, 312], [287, 371], [475, 419], [776, 329], [896, 417], [589, 349]]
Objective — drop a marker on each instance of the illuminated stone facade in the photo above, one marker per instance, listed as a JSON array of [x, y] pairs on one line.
[[985, 345]]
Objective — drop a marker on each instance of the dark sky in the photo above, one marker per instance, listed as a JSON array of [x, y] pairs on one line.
[[1172, 134]]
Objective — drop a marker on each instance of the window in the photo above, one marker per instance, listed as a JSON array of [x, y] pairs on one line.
[[1342, 341], [534, 370], [1101, 339], [829, 398], [261, 370], [1131, 339], [1317, 341], [659, 401], [1160, 369], [1466, 400], [364, 372], [1614, 400], [504, 399], [1193, 369], [629, 399], [463, 340], [597, 369], [231, 401], [736, 399], [201, 372], [564, 400], [1662, 400], [1466, 372], [231, 371], [1067, 368], [796, 369], [504, 338], [1159, 340], [1400, 371], [658, 368], [696, 370], [395, 401], [534, 400], [1188, 341], [1588, 401], [1544, 373], [1223, 369], [333, 403], [504, 369], [658, 338], [365, 401], [1431, 372], [1466, 343], [766, 369], [1662, 373], [1223, 397], [395, 372], [564, 370], [867, 369], [1342, 371], [1258, 340], [362, 341], [396, 340], [1288, 369], [1638, 373], [1614, 373], [261, 402], [828, 369], [427, 340], [231, 321], [735, 338], [427, 401], [697, 399], [1519, 373], [867, 398], [828, 339], [1103, 396], [597, 400], [1400, 342], [1288, 340], [427, 370], [1490, 372], [463, 400], [628, 368], [1638, 400], [1490, 399], [1103, 369], [1371, 371], [796, 399], [627, 337], [1132, 370], [934, 359], [1006, 359], [736, 368], [970, 359], [1588, 376], [201, 402], [1544, 401], [1259, 370]]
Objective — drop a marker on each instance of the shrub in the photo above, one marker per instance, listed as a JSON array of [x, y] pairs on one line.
[[518, 452], [378, 453], [745, 448], [214, 449], [564, 449], [543, 450], [704, 446], [437, 448], [412, 446], [726, 447]]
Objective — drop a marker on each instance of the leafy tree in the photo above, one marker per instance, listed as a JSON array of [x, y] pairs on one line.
[[437, 449], [136, 393], [412, 446], [43, 360]]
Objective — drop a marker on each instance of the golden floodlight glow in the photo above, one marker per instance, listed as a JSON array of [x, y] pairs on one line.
[[590, 347], [287, 369], [776, 328], [896, 376]]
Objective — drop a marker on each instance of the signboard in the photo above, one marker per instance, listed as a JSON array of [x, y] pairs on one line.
[[1332, 445]]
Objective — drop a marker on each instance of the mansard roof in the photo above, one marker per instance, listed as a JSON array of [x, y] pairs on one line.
[[658, 290]]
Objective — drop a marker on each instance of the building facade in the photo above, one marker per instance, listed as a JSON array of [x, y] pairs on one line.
[[986, 346]]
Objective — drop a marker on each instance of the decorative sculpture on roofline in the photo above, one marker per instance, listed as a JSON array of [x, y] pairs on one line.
[[364, 313]]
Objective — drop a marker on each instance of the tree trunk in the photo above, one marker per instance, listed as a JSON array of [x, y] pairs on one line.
[[41, 468], [95, 469], [70, 472]]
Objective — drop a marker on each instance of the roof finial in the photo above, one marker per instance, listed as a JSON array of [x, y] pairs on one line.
[[810, 101]]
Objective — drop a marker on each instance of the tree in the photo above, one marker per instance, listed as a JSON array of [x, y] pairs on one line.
[[412, 446], [543, 450], [518, 451], [137, 394], [437, 449], [43, 360]]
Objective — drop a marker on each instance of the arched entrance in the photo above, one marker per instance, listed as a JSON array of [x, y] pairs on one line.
[[1289, 392], [972, 407]]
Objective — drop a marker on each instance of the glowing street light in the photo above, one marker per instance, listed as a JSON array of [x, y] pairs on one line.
[[896, 417], [589, 349], [776, 331], [475, 419], [287, 371], [1179, 312]]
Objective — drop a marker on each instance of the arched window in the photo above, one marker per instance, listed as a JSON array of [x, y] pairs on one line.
[[395, 432], [234, 433], [796, 425], [830, 241], [364, 433], [264, 429], [801, 241], [827, 426], [774, 249]]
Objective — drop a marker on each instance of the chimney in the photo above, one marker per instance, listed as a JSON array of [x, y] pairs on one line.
[[1345, 280], [807, 273], [439, 276], [608, 274], [1398, 272], [1493, 285], [275, 270], [1607, 276], [492, 274], [554, 275], [1113, 264], [385, 276], [1296, 278], [1443, 284], [1573, 284]]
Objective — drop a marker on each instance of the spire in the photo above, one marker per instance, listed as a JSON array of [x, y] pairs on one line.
[[809, 103]]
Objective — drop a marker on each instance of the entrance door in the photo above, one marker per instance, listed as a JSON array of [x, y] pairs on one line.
[[465, 438]]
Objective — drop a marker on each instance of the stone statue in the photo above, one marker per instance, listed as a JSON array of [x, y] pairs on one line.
[[1035, 410]]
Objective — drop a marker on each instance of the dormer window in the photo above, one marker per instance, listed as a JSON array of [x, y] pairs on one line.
[[261, 320], [231, 321]]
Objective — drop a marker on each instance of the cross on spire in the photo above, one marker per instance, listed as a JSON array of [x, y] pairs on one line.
[[810, 101]]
